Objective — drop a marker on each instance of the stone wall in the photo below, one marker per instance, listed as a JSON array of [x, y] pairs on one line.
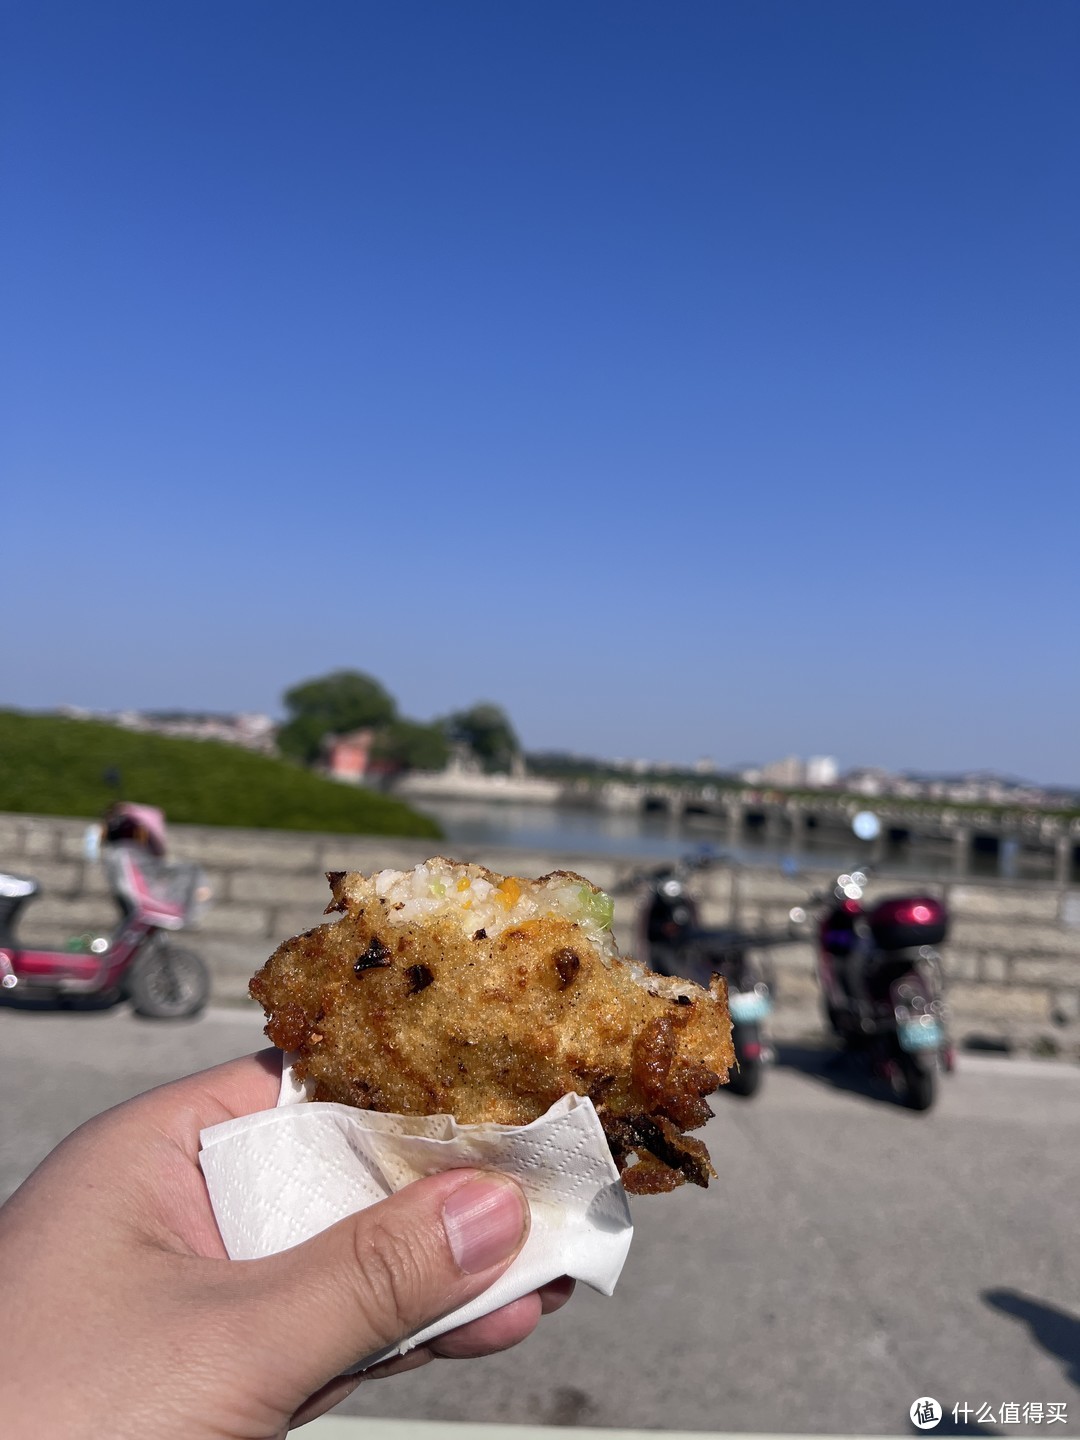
[[1012, 958]]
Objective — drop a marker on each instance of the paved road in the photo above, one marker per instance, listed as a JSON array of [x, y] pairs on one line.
[[852, 1257]]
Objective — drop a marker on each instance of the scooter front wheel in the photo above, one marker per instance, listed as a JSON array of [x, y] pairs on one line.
[[919, 1082], [746, 1079], [749, 1070], [167, 983]]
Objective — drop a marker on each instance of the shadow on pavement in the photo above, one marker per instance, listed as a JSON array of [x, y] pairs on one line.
[[52, 1004], [1055, 1330], [834, 1068]]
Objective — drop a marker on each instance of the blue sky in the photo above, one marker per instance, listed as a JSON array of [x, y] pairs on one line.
[[689, 378]]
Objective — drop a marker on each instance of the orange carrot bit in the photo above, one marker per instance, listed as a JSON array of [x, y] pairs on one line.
[[526, 927], [509, 892]]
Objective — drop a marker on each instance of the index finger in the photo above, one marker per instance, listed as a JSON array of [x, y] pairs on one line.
[[224, 1092]]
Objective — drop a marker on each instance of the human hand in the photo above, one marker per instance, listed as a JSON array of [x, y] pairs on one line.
[[126, 1318]]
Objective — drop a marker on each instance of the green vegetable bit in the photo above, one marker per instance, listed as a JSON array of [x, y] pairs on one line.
[[597, 907]]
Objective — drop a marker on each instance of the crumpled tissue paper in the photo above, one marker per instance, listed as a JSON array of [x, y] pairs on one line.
[[279, 1176]]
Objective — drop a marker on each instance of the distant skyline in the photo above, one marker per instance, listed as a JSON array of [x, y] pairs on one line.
[[704, 764], [694, 380]]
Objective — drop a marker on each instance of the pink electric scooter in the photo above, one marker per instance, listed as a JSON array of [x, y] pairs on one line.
[[136, 961]]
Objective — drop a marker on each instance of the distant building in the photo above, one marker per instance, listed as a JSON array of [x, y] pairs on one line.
[[348, 757], [464, 779], [869, 780], [705, 766], [822, 771], [980, 787], [249, 731], [789, 772], [792, 772]]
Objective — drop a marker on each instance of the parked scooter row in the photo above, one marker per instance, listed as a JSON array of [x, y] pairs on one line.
[[155, 898], [878, 966]]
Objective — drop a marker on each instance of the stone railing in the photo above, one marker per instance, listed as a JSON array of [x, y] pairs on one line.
[[1012, 958]]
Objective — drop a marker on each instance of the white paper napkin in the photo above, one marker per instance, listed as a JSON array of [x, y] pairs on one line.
[[280, 1176]]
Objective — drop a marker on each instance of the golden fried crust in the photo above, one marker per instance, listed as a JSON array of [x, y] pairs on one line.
[[418, 1020]]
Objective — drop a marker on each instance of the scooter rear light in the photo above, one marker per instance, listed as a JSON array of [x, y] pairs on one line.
[[917, 912], [852, 907], [752, 1051]]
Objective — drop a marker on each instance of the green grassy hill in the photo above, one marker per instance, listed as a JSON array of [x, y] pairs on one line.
[[53, 766]]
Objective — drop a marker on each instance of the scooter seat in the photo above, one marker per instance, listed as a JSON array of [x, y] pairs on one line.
[[15, 891], [17, 887]]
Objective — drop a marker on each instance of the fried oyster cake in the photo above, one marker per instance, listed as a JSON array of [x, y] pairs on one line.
[[449, 989]]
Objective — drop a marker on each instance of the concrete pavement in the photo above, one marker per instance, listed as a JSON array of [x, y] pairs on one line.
[[852, 1257]]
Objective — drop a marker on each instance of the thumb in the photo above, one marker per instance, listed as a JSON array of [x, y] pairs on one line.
[[371, 1280]]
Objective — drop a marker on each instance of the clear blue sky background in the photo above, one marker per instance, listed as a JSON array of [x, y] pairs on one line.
[[689, 378]]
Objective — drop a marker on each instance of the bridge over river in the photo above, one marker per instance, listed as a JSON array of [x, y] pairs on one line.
[[788, 819]]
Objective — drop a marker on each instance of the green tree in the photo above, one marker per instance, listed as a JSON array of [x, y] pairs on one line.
[[332, 705], [408, 745], [485, 728]]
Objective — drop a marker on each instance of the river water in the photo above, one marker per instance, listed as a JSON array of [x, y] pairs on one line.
[[567, 831]]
